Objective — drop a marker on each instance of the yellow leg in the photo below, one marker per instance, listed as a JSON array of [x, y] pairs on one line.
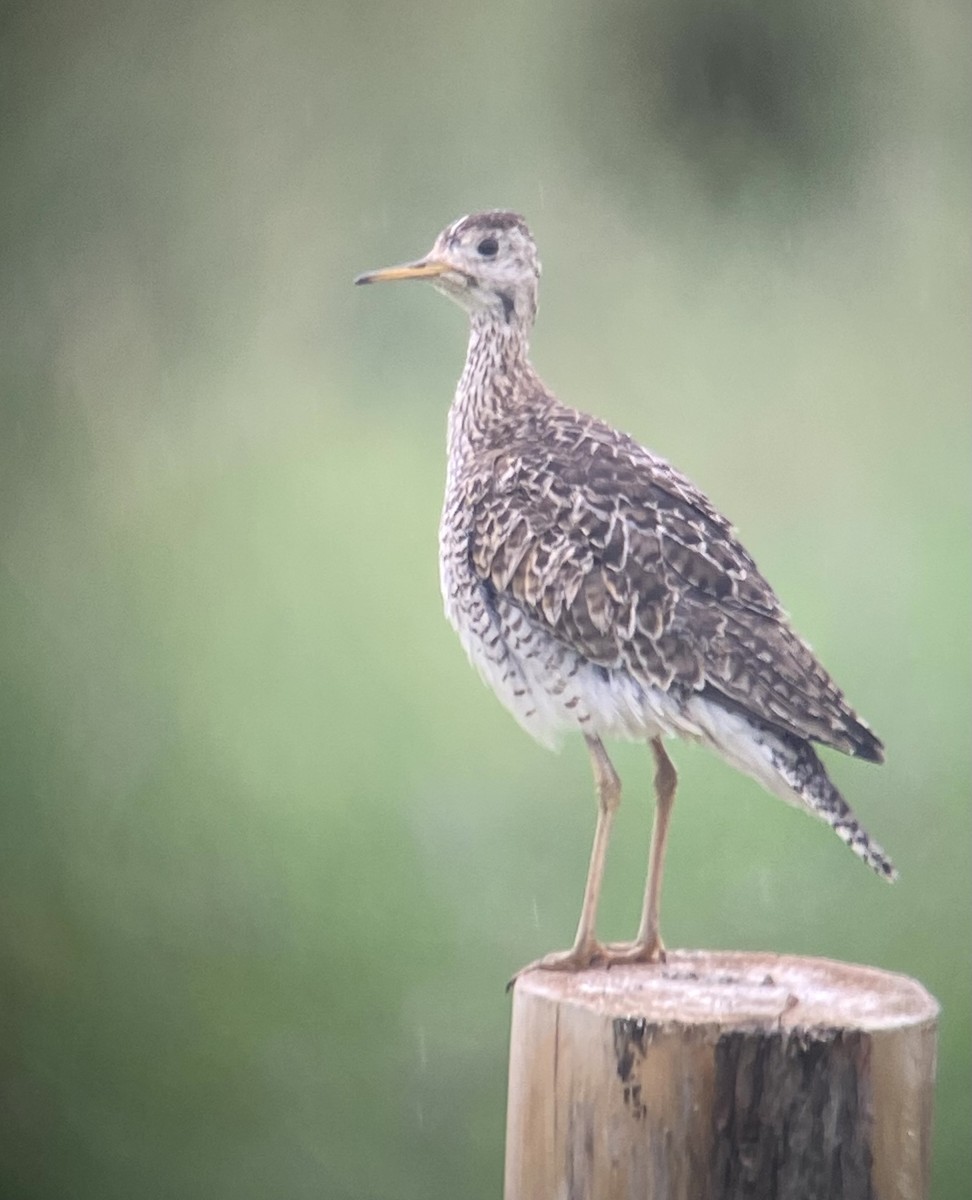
[[648, 946], [587, 950]]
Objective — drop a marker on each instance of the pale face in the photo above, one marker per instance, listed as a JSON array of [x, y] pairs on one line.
[[486, 262]]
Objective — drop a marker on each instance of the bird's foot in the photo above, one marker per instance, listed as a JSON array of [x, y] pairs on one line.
[[577, 958], [643, 950]]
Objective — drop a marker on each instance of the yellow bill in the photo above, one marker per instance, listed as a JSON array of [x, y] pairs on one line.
[[425, 268]]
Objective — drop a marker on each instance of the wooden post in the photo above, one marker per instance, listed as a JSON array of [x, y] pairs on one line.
[[719, 1076]]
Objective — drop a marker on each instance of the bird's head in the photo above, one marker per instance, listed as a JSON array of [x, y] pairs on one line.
[[486, 262]]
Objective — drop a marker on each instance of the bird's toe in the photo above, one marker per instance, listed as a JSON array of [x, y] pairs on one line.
[[650, 950], [577, 958]]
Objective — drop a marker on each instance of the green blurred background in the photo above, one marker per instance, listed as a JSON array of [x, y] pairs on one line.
[[269, 850]]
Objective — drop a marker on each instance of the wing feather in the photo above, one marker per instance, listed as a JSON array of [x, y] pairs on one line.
[[621, 557]]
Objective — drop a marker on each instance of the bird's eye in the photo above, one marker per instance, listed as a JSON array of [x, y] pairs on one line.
[[488, 247]]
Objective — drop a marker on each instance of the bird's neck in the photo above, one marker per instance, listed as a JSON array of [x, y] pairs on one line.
[[497, 378]]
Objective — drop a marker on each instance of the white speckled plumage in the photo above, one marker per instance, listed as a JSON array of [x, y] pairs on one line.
[[595, 588]]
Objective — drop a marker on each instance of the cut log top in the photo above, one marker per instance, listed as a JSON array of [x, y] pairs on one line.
[[721, 1076], [731, 989]]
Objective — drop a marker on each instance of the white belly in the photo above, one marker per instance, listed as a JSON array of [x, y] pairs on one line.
[[549, 688]]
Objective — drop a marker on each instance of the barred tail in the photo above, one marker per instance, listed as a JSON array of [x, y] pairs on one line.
[[848, 829], [804, 774], [788, 767]]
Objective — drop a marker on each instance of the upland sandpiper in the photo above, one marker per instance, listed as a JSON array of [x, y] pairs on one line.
[[598, 590]]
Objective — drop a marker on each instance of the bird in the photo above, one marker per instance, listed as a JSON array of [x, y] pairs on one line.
[[599, 591]]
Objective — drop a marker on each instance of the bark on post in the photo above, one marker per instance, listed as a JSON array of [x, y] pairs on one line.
[[721, 1076]]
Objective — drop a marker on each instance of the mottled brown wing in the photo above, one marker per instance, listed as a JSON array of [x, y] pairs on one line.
[[624, 559]]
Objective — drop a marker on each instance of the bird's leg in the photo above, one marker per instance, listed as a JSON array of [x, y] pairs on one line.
[[648, 946], [587, 950]]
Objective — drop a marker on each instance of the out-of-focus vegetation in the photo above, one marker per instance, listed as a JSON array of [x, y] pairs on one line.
[[268, 850]]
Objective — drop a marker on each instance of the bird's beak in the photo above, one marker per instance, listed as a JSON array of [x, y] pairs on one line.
[[425, 268]]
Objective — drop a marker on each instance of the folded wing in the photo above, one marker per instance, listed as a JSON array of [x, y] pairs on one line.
[[622, 558]]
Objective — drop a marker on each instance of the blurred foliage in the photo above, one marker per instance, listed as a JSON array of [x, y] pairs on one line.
[[268, 850]]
